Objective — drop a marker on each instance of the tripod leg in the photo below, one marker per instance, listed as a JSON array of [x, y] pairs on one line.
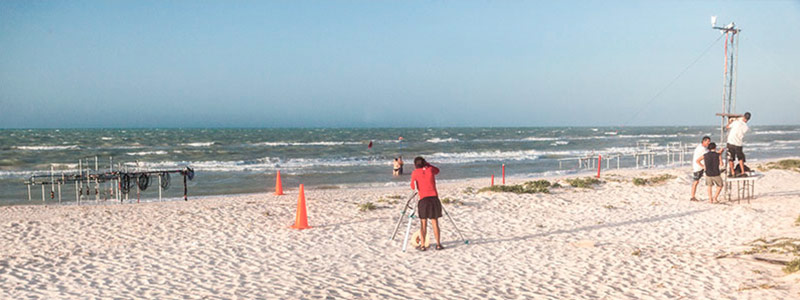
[[408, 230], [400, 220], [466, 241]]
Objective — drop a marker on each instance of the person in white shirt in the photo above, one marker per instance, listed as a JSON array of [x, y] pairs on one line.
[[697, 169], [738, 127]]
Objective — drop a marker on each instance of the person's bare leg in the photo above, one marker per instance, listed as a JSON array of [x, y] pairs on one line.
[[741, 166], [435, 223], [710, 198], [716, 196], [694, 187], [424, 227]]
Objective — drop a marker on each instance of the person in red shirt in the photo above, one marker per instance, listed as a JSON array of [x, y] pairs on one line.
[[429, 207]]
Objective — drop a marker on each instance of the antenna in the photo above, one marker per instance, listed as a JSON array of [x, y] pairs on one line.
[[729, 77]]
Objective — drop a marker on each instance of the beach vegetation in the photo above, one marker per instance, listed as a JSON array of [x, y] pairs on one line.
[[585, 182], [469, 190], [366, 206], [448, 200], [797, 221], [792, 266], [784, 164], [653, 180], [609, 206], [530, 187], [394, 197]]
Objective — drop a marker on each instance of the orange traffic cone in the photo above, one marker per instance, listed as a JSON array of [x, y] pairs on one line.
[[278, 185], [301, 220]]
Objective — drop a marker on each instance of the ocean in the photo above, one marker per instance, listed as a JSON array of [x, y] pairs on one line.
[[233, 161]]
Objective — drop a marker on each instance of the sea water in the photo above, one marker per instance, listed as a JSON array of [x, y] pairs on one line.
[[231, 161]]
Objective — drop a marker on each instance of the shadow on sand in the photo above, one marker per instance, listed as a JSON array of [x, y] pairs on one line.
[[590, 228]]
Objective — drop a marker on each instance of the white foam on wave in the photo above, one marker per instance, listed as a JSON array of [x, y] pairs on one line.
[[441, 140], [198, 144], [45, 147], [777, 132], [284, 144], [105, 138], [142, 153]]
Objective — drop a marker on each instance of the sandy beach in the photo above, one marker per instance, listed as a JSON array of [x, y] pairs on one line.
[[614, 241]]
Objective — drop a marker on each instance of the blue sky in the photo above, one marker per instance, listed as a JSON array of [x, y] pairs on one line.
[[389, 64]]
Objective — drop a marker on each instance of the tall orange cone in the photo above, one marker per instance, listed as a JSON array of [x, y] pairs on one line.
[[301, 220], [278, 185]]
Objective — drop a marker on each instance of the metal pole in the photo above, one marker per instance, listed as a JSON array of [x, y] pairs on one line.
[[159, 188], [59, 187], [42, 193]]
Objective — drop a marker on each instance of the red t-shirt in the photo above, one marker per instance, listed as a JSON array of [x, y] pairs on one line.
[[425, 180]]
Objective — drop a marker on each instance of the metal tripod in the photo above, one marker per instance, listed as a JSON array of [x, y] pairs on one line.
[[411, 215]]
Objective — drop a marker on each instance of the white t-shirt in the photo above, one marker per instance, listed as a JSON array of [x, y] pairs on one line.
[[698, 152], [736, 135]]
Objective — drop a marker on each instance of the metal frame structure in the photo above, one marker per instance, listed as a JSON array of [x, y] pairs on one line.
[[117, 184]]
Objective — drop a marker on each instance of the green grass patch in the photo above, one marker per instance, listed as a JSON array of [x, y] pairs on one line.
[[394, 197], [585, 182], [653, 180], [530, 187], [448, 200], [367, 206], [469, 190], [785, 164]]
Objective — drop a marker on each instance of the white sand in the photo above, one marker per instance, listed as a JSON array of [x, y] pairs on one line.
[[570, 244]]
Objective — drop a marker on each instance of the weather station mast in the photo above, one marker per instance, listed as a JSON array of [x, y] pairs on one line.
[[729, 77]]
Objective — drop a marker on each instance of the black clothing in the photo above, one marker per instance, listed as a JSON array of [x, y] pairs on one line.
[[711, 160], [734, 152], [429, 208]]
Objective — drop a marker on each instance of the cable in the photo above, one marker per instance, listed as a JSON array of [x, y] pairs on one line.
[[143, 181], [673, 81], [164, 180]]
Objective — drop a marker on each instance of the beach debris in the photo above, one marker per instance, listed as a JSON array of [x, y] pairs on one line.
[[301, 218], [637, 252], [609, 206]]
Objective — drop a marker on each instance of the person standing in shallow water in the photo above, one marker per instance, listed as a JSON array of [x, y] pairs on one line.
[[400, 161], [429, 207]]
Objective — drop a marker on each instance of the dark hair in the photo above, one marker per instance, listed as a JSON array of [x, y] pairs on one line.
[[705, 138], [747, 116], [712, 146], [419, 162]]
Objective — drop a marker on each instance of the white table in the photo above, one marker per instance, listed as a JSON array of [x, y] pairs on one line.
[[745, 187]]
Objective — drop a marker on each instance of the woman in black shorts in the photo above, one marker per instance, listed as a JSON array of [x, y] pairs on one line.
[[429, 206]]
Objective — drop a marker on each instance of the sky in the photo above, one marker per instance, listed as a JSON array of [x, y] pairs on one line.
[[79, 64]]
